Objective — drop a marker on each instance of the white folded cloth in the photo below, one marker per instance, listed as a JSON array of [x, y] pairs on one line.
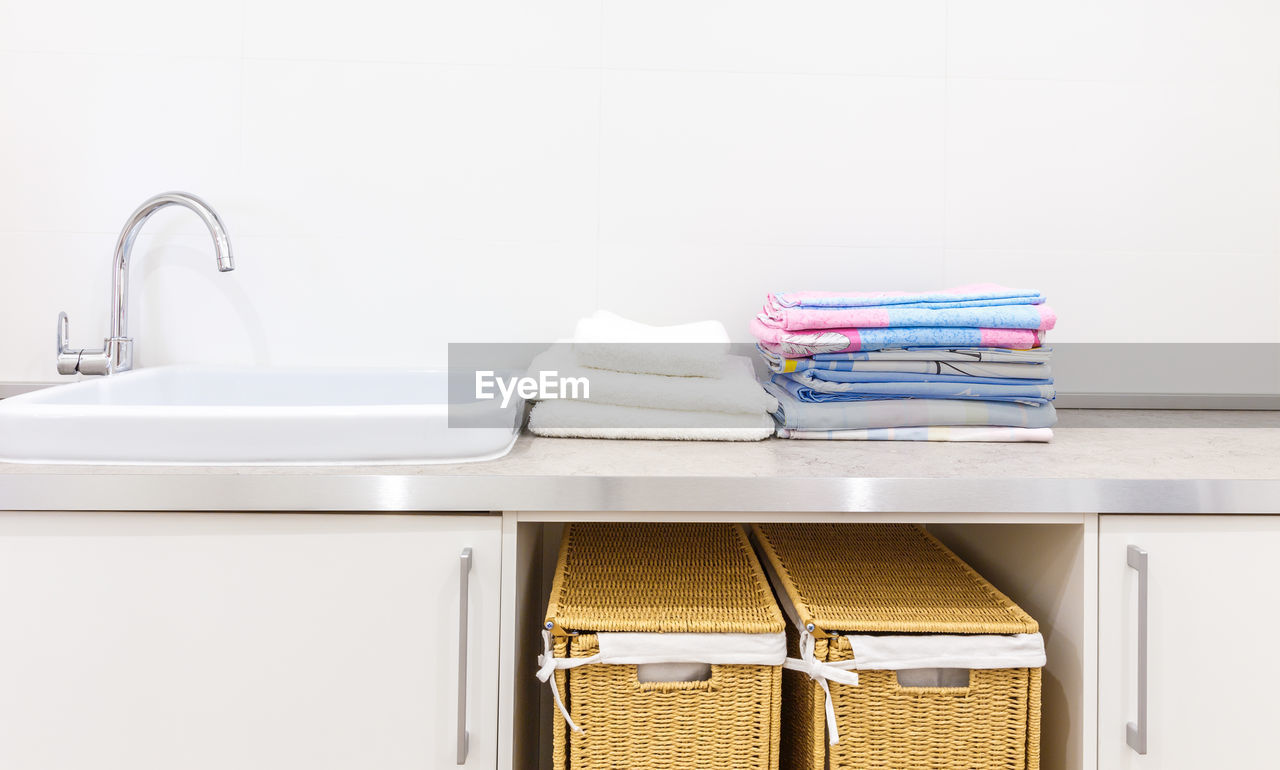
[[652, 382], [568, 418], [608, 341], [734, 391]]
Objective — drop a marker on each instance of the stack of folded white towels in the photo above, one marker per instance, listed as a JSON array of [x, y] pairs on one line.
[[652, 382]]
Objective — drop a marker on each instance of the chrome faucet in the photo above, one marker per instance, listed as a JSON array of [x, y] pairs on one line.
[[116, 354]]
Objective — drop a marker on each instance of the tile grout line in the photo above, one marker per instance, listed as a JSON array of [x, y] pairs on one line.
[[527, 66], [946, 143], [244, 65], [599, 207]]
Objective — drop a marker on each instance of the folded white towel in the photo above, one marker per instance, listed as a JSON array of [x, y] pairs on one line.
[[565, 418], [735, 391], [609, 341]]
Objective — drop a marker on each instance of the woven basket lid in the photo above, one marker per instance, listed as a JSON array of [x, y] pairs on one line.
[[658, 577], [888, 578]]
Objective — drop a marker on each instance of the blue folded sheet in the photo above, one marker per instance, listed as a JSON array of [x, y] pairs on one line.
[[817, 391], [795, 414], [977, 295], [836, 375]]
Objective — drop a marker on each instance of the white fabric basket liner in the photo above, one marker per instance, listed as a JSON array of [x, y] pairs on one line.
[[716, 649], [895, 653], [871, 653]]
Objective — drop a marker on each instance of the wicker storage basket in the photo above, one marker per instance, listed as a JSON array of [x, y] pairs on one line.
[[669, 586], [874, 602]]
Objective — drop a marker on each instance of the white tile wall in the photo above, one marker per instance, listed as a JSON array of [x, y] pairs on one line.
[[858, 37], [86, 137], [511, 32], [1104, 296], [124, 27], [400, 174], [1152, 166], [1113, 40], [771, 159], [425, 150], [1042, 40], [661, 281]]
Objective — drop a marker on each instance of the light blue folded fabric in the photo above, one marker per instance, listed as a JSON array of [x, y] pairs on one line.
[[925, 353], [1035, 372], [971, 362], [795, 414], [808, 395], [980, 295], [819, 391]]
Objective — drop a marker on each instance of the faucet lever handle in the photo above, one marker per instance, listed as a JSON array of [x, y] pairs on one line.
[[68, 359]]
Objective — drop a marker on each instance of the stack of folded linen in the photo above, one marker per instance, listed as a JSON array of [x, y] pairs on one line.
[[962, 364], [652, 382]]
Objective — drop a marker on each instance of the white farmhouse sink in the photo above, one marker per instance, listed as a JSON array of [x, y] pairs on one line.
[[205, 415]]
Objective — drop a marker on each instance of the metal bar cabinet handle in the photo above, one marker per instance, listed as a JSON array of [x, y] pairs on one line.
[[1136, 733], [464, 597]]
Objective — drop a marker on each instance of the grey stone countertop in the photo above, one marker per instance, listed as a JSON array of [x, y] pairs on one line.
[[1099, 461]]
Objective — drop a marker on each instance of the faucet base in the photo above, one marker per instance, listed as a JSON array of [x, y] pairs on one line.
[[116, 354], [120, 353]]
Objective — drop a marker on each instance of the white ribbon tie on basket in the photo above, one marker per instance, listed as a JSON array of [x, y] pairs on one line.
[[820, 671], [547, 665], [639, 648]]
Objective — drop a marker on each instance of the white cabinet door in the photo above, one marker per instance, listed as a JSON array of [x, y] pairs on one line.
[[1212, 649], [215, 641]]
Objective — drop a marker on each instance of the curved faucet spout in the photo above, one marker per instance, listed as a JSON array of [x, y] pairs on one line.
[[117, 351], [124, 249]]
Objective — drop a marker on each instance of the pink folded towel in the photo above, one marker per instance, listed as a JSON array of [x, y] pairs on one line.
[[799, 344]]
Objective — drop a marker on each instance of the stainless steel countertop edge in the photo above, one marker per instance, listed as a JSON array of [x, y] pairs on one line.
[[405, 493]]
